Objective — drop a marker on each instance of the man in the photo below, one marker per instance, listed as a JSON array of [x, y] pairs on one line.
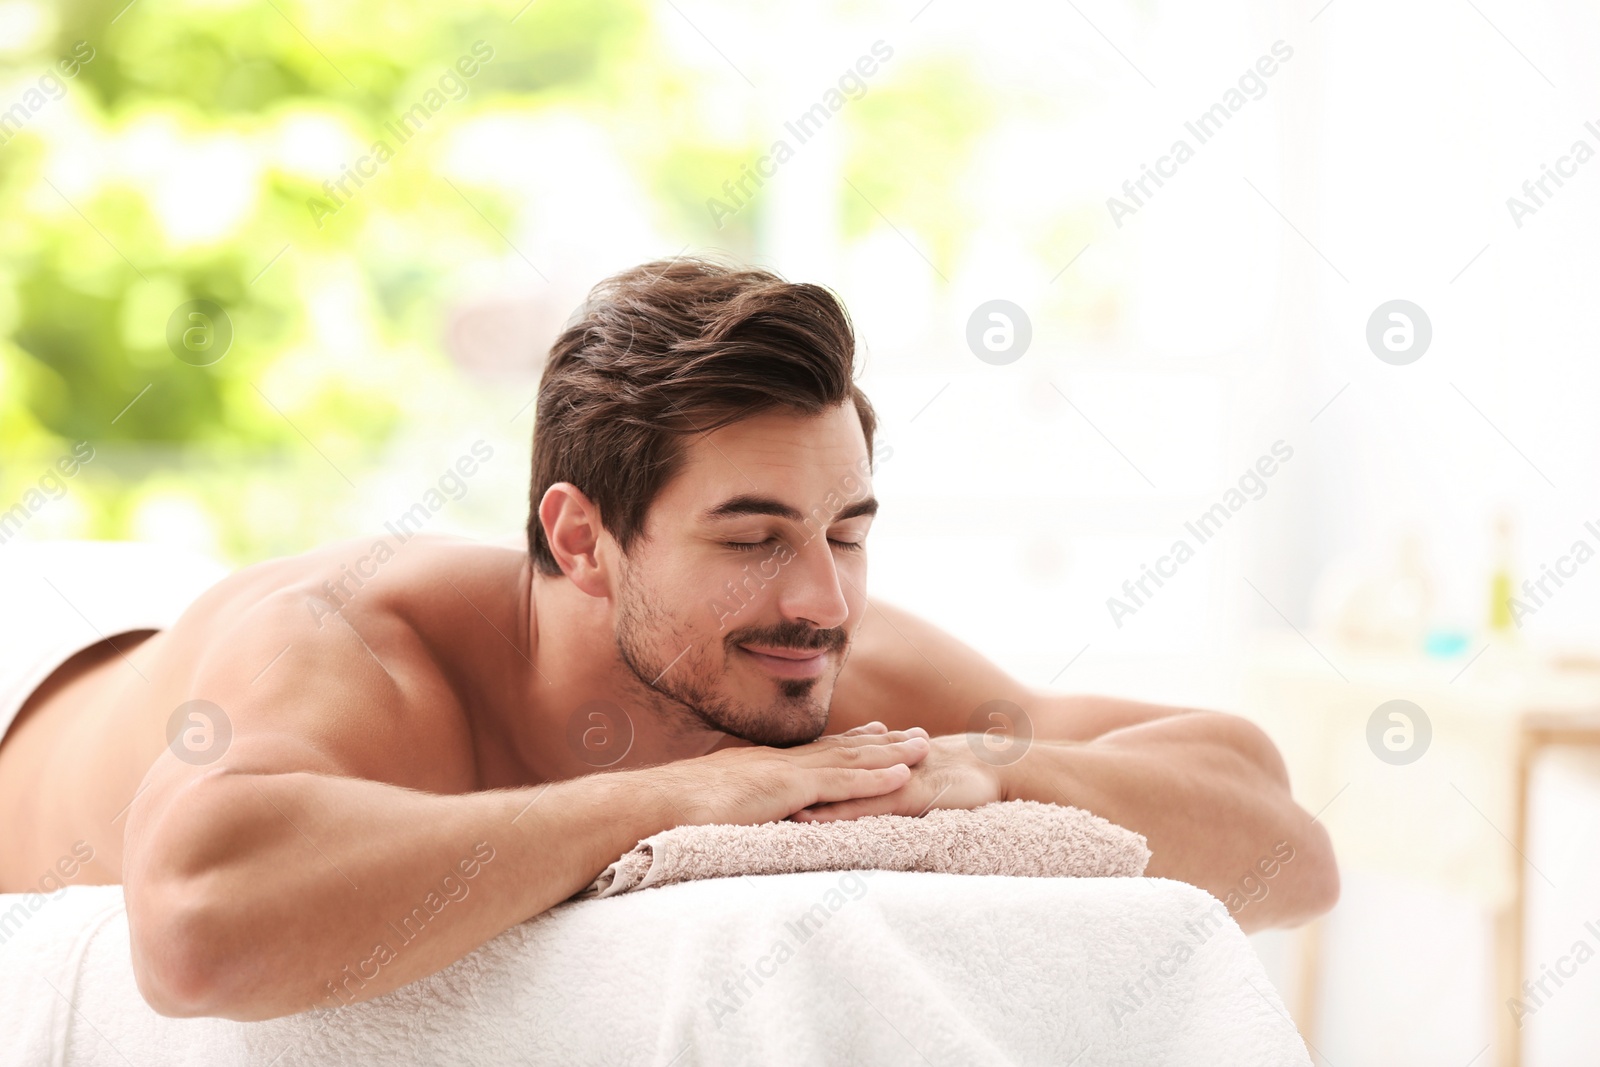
[[684, 638]]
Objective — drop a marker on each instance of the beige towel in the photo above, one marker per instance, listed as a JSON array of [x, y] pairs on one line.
[[1015, 837]]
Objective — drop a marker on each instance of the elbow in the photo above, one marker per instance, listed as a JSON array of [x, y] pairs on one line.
[[1311, 882], [188, 905], [1297, 883], [1317, 877], [181, 961], [1316, 881], [1321, 890]]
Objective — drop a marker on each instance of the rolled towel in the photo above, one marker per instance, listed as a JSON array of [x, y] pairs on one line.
[[1013, 837]]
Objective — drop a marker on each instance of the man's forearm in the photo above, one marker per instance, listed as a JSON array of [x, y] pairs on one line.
[[315, 890], [1209, 793]]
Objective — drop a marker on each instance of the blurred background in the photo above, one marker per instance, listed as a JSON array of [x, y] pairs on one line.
[[268, 268]]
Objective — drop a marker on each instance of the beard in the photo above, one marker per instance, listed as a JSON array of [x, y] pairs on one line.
[[683, 672]]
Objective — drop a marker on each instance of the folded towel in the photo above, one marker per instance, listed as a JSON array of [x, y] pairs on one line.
[[1013, 837]]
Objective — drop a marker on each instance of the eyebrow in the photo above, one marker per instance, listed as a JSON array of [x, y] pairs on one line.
[[753, 504]]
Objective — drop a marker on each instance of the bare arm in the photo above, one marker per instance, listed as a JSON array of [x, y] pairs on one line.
[[1207, 789], [253, 895], [288, 875], [1211, 796]]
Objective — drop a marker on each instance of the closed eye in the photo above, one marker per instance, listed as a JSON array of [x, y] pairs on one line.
[[746, 546], [752, 546]]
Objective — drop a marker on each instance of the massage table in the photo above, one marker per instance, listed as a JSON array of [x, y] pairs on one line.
[[825, 967]]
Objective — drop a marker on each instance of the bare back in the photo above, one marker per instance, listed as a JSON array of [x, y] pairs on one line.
[[400, 658]]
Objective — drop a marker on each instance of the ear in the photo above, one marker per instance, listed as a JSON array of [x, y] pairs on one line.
[[572, 528]]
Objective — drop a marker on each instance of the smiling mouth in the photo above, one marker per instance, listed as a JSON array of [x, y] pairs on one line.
[[789, 662]]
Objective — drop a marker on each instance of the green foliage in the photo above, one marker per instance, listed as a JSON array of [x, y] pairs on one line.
[[914, 138], [92, 265], [174, 167]]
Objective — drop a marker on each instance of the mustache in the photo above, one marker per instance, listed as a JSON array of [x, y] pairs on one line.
[[799, 637]]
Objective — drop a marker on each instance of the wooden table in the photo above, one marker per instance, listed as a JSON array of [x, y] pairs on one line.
[[1466, 799], [1539, 730]]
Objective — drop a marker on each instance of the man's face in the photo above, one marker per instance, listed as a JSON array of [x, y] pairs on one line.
[[754, 554]]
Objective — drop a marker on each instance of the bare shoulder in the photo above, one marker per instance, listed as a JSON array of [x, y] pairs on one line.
[[905, 671], [356, 658]]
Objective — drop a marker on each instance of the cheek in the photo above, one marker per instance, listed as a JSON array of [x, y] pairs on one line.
[[696, 610], [670, 589]]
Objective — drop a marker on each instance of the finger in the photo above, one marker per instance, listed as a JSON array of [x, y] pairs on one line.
[[911, 750], [877, 730], [842, 810], [914, 799], [836, 784], [910, 800], [856, 731], [876, 727], [848, 740]]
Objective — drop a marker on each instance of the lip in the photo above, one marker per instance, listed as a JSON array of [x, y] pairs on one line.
[[790, 662]]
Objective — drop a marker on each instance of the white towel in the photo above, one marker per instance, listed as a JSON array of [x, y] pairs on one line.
[[817, 968]]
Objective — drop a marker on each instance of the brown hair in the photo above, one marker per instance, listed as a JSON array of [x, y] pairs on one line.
[[672, 348]]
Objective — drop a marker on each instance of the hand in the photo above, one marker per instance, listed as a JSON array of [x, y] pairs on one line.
[[757, 784], [952, 776]]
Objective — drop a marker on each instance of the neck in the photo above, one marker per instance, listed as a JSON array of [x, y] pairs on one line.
[[587, 708]]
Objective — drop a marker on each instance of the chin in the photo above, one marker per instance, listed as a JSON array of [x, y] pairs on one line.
[[797, 726]]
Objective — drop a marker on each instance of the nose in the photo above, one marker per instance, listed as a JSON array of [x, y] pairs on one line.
[[812, 588]]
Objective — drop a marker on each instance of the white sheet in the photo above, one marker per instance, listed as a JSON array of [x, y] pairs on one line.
[[60, 597], [893, 968]]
